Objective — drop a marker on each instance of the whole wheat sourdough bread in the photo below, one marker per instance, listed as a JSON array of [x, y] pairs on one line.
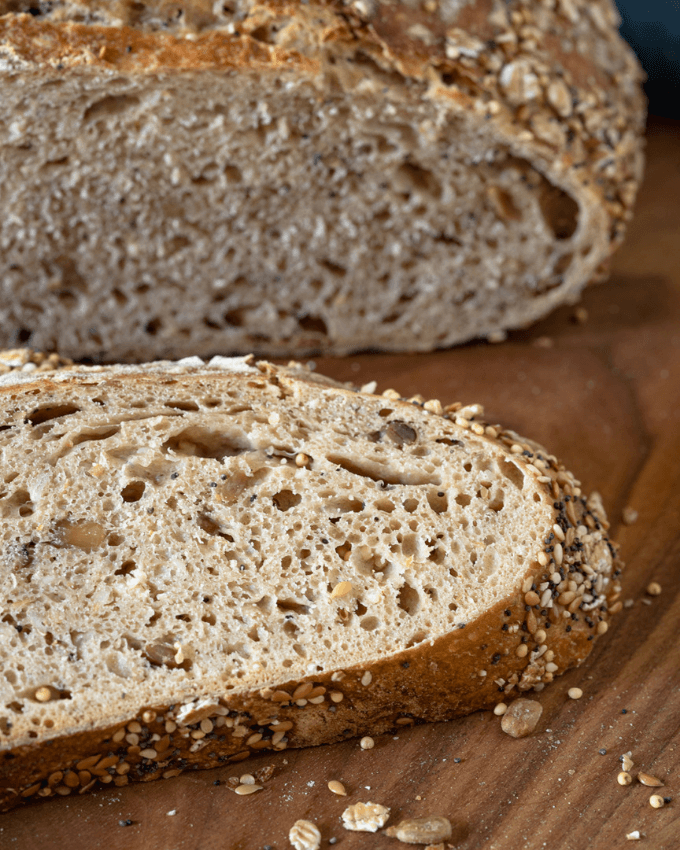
[[281, 177], [200, 561]]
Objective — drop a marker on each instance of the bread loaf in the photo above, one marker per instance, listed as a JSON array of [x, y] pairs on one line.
[[201, 561], [283, 177]]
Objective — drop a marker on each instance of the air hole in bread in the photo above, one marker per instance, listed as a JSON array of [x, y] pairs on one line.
[[436, 555], [125, 568], [497, 503], [418, 637], [370, 624], [292, 605], [110, 106], [211, 527], [333, 268], [345, 505], [201, 442], [559, 209], [413, 178], [153, 326], [133, 491], [314, 324], [98, 434], [182, 405], [408, 599], [45, 414], [513, 473], [382, 474], [384, 505], [463, 499], [286, 499], [438, 501]]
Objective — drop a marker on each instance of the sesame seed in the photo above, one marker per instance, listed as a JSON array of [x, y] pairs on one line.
[[134, 727], [336, 696], [602, 627], [367, 743], [337, 788], [43, 694], [531, 598], [149, 716], [559, 534], [245, 790], [558, 553], [646, 779], [521, 650], [247, 779], [653, 589], [366, 679], [539, 636], [633, 836], [656, 801], [303, 690], [624, 778], [543, 559], [575, 693], [343, 588], [500, 709], [149, 753]]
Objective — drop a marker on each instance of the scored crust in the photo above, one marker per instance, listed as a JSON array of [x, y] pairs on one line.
[[536, 631]]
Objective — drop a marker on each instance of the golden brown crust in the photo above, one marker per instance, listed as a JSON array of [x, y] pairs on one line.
[[538, 632]]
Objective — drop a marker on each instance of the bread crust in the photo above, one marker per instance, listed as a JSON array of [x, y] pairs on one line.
[[556, 87], [519, 644]]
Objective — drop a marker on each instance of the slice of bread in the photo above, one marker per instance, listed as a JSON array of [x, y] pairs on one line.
[[200, 561], [287, 177]]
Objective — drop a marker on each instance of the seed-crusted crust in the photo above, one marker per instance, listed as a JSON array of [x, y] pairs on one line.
[[537, 632], [554, 81]]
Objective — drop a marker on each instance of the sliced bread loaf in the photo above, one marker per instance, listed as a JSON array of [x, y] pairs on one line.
[[282, 177], [199, 561]]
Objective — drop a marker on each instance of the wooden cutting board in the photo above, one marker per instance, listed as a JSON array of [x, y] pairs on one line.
[[604, 395]]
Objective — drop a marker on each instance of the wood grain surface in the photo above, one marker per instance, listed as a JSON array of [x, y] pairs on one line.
[[604, 395]]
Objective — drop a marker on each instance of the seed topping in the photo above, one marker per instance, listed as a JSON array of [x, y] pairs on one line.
[[426, 830]]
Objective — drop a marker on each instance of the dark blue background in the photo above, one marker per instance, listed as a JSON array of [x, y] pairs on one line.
[[652, 28]]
